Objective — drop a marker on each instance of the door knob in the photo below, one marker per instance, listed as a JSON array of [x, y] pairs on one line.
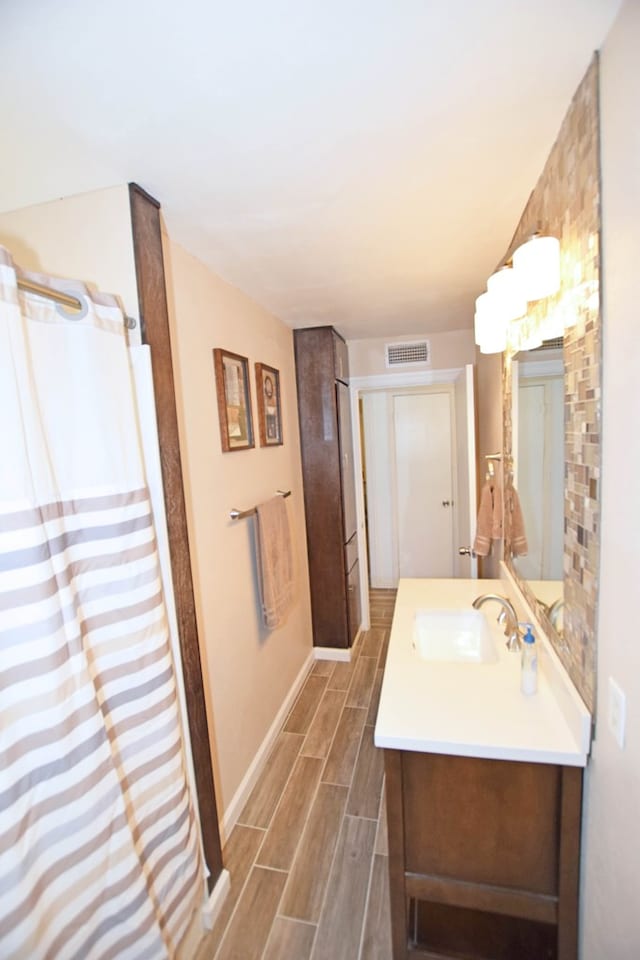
[[446, 503], [466, 552]]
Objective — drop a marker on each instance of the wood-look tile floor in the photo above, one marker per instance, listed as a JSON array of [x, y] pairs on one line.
[[308, 856]]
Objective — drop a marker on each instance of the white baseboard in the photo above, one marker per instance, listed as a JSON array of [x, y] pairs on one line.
[[217, 896], [248, 782], [331, 653], [204, 918]]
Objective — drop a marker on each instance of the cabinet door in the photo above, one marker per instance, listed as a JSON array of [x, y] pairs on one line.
[[341, 358], [319, 429], [347, 478]]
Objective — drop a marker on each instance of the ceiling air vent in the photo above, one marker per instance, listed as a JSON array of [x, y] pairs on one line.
[[554, 344], [405, 354]]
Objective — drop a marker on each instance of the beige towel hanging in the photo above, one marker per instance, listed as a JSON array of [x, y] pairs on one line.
[[496, 512], [519, 545], [484, 526], [275, 560], [489, 525]]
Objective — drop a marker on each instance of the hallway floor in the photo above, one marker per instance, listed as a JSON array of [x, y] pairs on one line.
[[308, 856]]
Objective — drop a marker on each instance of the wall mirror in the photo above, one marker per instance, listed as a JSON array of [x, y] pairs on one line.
[[537, 418], [565, 203], [564, 598]]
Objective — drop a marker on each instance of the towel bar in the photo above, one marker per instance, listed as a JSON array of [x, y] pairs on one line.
[[241, 514]]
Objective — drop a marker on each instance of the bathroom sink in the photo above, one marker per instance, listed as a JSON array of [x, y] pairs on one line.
[[454, 636]]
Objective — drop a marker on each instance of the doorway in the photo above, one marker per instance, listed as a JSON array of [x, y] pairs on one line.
[[424, 484], [415, 456]]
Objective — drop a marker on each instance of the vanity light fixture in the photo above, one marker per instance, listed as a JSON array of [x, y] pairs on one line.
[[490, 325], [505, 290], [537, 265], [501, 312]]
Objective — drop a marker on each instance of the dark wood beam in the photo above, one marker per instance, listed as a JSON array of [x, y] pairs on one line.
[[154, 322]]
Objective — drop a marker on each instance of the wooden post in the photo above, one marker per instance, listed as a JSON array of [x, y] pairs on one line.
[[154, 321]]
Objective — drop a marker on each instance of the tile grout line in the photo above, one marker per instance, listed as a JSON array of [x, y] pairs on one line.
[[290, 774], [284, 915], [366, 901], [265, 830], [342, 819], [375, 660], [353, 772], [306, 821], [327, 885], [347, 785], [332, 690], [326, 687], [233, 913], [348, 788], [328, 782], [381, 805], [378, 820], [344, 816]]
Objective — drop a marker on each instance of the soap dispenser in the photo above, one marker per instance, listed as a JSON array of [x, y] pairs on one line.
[[529, 663]]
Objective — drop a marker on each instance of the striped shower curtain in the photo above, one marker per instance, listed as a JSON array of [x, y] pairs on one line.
[[99, 845]]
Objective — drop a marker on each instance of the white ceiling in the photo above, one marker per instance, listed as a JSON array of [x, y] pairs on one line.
[[356, 162]]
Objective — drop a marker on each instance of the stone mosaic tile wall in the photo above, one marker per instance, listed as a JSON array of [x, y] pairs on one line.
[[566, 204]]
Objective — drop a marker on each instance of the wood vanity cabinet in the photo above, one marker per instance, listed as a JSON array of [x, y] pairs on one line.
[[322, 374], [483, 857]]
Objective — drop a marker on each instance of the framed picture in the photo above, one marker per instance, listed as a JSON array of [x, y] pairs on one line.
[[234, 400], [269, 412]]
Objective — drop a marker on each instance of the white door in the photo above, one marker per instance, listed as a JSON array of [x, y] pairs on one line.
[[465, 508], [541, 475], [423, 484]]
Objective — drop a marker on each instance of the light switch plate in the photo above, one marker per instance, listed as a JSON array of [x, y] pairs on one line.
[[617, 711]]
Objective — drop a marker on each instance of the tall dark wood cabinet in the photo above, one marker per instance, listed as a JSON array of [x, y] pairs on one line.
[[322, 374]]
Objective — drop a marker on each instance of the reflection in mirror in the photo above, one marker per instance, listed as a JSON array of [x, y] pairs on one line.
[[549, 595], [538, 473]]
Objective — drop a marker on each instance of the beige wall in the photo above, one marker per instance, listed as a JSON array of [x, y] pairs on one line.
[[85, 237], [248, 671], [611, 846], [448, 351]]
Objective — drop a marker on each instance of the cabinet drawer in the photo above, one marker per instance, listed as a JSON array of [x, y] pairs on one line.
[[353, 601], [351, 553]]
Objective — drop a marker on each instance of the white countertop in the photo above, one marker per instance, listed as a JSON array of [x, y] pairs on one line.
[[475, 710]]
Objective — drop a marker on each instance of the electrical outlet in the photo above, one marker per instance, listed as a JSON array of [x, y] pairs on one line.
[[617, 711]]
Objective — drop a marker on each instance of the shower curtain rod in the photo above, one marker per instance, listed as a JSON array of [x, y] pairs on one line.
[[68, 301], [64, 298]]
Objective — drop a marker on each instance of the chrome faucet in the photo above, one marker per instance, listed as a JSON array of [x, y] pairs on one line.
[[554, 612], [507, 616]]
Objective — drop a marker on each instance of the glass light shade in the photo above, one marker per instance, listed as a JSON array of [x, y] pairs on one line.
[[537, 264], [482, 317], [490, 333], [496, 345], [479, 324], [506, 292]]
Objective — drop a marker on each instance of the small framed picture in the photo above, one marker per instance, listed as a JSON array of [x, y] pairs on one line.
[[234, 400], [269, 411]]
